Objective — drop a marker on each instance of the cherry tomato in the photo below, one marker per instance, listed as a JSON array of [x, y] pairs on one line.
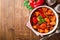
[[34, 20]]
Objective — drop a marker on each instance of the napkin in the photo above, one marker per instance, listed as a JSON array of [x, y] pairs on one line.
[[29, 26]]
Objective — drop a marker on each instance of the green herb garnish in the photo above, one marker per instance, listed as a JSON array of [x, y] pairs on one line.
[[40, 20]]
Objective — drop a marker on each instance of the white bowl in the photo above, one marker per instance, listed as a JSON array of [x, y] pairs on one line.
[[54, 26]]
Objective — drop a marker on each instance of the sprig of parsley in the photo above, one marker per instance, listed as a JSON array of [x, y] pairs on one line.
[[41, 20]]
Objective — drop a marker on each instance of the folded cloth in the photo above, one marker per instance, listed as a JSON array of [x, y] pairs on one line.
[[29, 26]]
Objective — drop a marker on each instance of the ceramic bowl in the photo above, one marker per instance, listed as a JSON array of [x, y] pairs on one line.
[[54, 26]]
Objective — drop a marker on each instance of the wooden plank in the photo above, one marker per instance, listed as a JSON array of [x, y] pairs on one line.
[[22, 32], [7, 8], [0, 22]]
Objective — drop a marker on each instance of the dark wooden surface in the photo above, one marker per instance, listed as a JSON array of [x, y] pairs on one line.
[[13, 18]]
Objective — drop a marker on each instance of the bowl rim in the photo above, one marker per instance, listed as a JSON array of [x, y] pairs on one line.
[[55, 27]]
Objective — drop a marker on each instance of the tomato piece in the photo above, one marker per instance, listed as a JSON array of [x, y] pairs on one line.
[[40, 30], [52, 23], [53, 18], [38, 27], [43, 26], [44, 9], [37, 13], [46, 30], [40, 10], [51, 28], [47, 20], [49, 12], [34, 20], [35, 27], [41, 13]]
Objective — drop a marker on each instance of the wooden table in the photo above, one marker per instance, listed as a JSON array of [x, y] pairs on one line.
[[13, 19]]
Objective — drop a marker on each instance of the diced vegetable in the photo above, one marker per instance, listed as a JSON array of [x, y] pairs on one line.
[[35, 27], [43, 26], [35, 20], [38, 27], [49, 12], [44, 9], [48, 23], [52, 13], [52, 23], [37, 13], [53, 18], [40, 10], [47, 20], [40, 30], [46, 30], [42, 13], [51, 28]]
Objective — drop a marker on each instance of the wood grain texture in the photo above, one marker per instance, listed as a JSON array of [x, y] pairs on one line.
[[13, 18]]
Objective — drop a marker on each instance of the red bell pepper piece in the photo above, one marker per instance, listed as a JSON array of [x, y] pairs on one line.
[[41, 13], [34, 20]]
